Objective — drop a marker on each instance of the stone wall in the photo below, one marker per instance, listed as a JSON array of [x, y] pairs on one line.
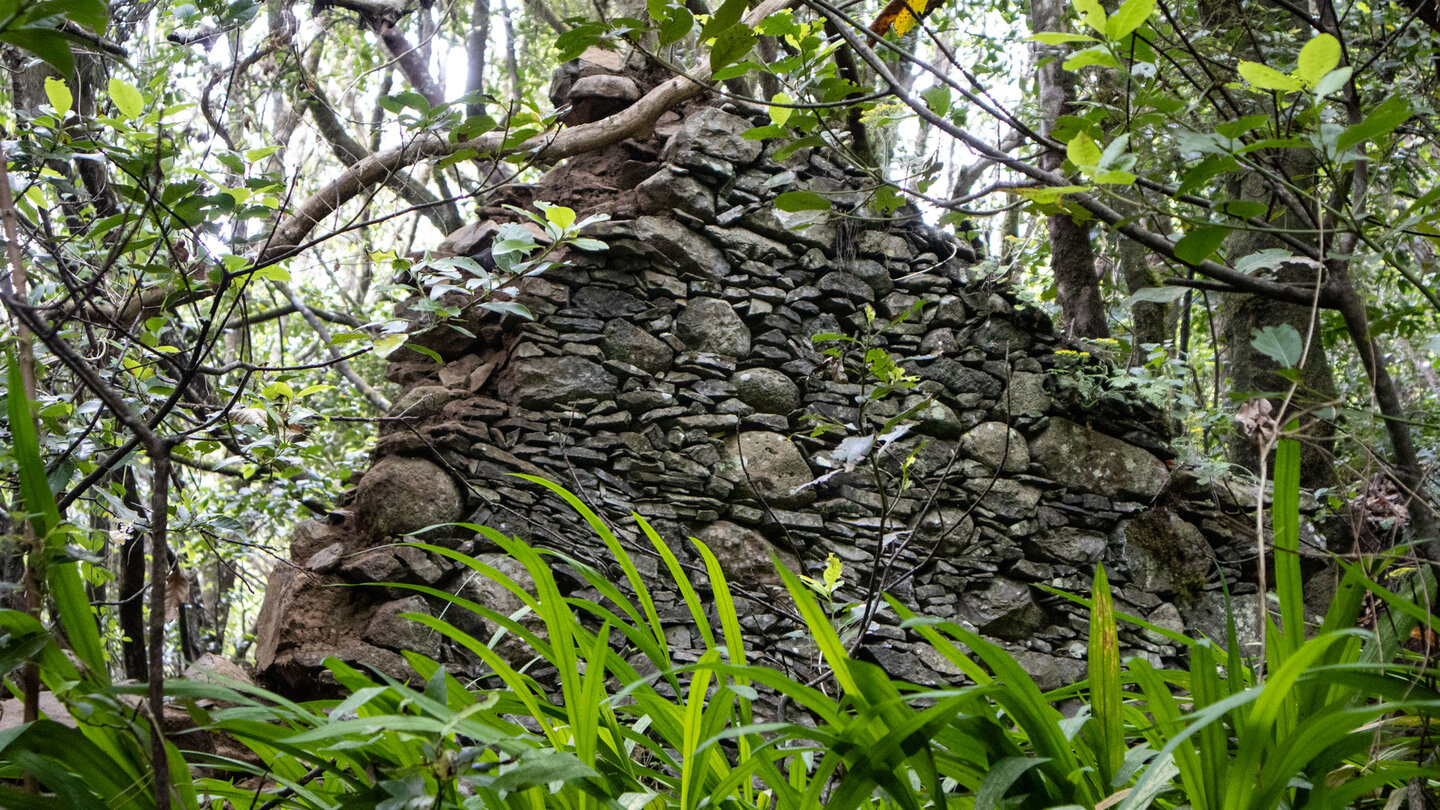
[[675, 375]]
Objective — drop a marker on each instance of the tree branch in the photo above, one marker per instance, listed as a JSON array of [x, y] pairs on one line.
[[350, 151]]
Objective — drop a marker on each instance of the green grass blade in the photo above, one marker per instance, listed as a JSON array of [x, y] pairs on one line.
[[1107, 723], [72, 603], [1285, 516]]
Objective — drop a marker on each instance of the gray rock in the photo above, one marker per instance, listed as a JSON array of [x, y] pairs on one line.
[[688, 250], [960, 379], [767, 466], [1051, 671], [325, 560], [1004, 609], [400, 495], [811, 228], [1071, 546], [544, 382], [492, 594], [1167, 617], [619, 88], [845, 285], [997, 446], [878, 277], [1006, 498], [1026, 395], [714, 133], [1089, 461], [749, 244], [744, 554], [933, 418], [667, 191], [629, 344], [1165, 554], [766, 390], [711, 325], [881, 245], [387, 629], [422, 402]]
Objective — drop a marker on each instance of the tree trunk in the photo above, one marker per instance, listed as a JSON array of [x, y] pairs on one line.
[[1072, 257]]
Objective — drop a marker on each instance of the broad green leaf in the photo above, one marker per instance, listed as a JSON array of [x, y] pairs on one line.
[[676, 24], [724, 18], [1267, 259], [1092, 14], [1268, 78], [1114, 177], [801, 201], [560, 216], [780, 114], [1131, 15], [1097, 55], [730, 46], [387, 344], [59, 94], [1280, 343], [1199, 244], [1319, 56], [937, 98], [1155, 295], [1381, 121], [1060, 38], [127, 98], [1083, 151], [1050, 195], [1333, 81], [46, 43]]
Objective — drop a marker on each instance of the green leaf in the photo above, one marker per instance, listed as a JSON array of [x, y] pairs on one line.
[[46, 43], [801, 201], [59, 94], [1107, 726], [72, 601], [1097, 55], [1131, 15], [937, 98], [1060, 38], [558, 215], [1381, 121], [731, 46], [676, 23], [1114, 177], [1279, 343], [1267, 259], [1268, 78], [1049, 195], [1333, 81], [1083, 151], [723, 19], [1319, 56], [1092, 14], [1154, 295], [1199, 244], [127, 98], [780, 114], [92, 14]]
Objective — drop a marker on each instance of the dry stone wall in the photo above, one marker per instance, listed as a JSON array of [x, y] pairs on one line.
[[675, 375]]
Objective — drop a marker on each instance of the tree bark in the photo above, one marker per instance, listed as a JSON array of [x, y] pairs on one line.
[[1072, 256], [475, 46], [131, 613]]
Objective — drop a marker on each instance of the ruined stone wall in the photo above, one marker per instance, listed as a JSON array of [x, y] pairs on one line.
[[675, 375]]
